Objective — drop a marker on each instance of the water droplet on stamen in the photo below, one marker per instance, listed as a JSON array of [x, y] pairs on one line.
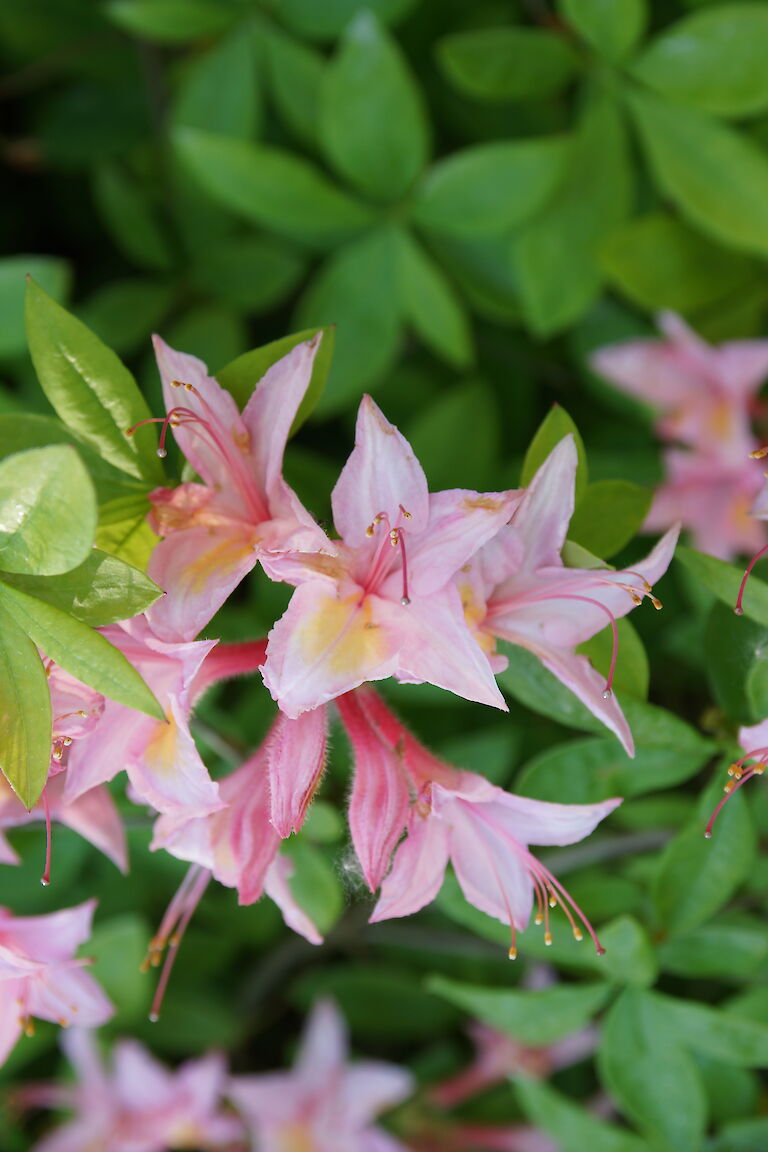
[[738, 610], [162, 453], [607, 694], [154, 1017], [707, 835], [405, 601]]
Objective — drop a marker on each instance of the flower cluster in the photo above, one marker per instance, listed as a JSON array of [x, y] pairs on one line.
[[705, 402], [413, 585]]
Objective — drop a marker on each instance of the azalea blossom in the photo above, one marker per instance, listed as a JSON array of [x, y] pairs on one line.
[[136, 1104], [383, 604], [214, 532], [324, 1104], [41, 976], [517, 589]]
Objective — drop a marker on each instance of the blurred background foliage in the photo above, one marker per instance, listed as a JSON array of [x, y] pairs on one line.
[[476, 196]]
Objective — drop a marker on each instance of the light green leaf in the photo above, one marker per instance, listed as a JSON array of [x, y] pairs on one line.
[[126, 533], [555, 426], [243, 374], [556, 255], [720, 951], [54, 275], [101, 590], [118, 947], [79, 650], [250, 272], [537, 1018], [47, 511], [713, 60], [170, 21], [314, 883], [487, 189], [296, 75], [697, 876], [612, 27], [25, 714], [608, 515], [277, 189], [575, 1129], [499, 64], [373, 125], [721, 1035], [91, 390], [219, 92], [717, 177], [431, 306], [724, 580], [131, 217], [651, 1076]]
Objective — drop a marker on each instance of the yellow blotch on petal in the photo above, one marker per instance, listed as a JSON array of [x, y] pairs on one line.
[[161, 752], [217, 560], [474, 614], [295, 1138], [487, 503], [344, 633]]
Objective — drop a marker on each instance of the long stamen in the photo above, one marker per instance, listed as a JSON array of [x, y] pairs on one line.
[[45, 879], [737, 779], [738, 609], [397, 536], [565, 897], [607, 692], [196, 890]]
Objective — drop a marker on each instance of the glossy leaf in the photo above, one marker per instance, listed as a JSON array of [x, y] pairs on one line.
[[554, 427], [25, 713], [612, 27], [47, 511], [91, 390], [79, 650], [372, 122], [498, 64]]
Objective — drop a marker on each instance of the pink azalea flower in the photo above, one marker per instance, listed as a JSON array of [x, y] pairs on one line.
[[160, 757], [484, 832], [137, 1105], [323, 1104], [754, 740], [518, 590], [384, 604], [40, 975], [216, 531], [703, 395]]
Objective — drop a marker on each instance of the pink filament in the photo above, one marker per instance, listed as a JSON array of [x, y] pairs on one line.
[[738, 609], [45, 879], [174, 924], [742, 780]]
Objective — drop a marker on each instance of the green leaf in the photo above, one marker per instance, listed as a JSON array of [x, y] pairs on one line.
[[556, 255], [47, 511], [717, 177], [629, 958], [124, 313], [118, 947], [499, 64], [732, 1039], [131, 217], [438, 434], [101, 590], [555, 426], [249, 272], [608, 515], [657, 261], [650, 1075], [525, 679], [536, 1018], [431, 306], [314, 883], [697, 876], [127, 534], [373, 125], [325, 21], [490, 188], [713, 60], [719, 951], [91, 390], [749, 1135], [277, 189], [367, 322], [724, 580], [575, 1129], [53, 273], [25, 714], [296, 74], [735, 654], [612, 27], [632, 674], [219, 92], [170, 21], [243, 374], [79, 650]]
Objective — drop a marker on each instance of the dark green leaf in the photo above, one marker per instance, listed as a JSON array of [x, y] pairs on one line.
[[720, 951], [632, 673], [724, 580], [439, 436], [536, 1018], [325, 21], [714, 60], [575, 1129], [526, 680], [735, 652], [51, 272], [101, 590], [249, 272], [91, 390], [431, 306], [717, 177], [555, 426], [506, 63], [124, 313], [219, 92], [296, 75], [47, 511], [131, 216], [278, 189], [608, 515], [612, 27], [80, 651], [25, 714], [490, 188], [733, 1039], [372, 122], [170, 21], [651, 1076]]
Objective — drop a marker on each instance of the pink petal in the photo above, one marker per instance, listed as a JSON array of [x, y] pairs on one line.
[[7, 854], [10, 1028], [244, 841], [754, 736], [323, 1051], [438, 648], [382, 475], [542, 822], [68, 995], [370, 1088], [170, 775], [140, 1081], [488, 864], [417, 871], [95, 817], [278, 888], [324, 645], [55, 936], [198, 569], [380, 801], [296, 752], [80, 1048], [545, 511], [743, 366]]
